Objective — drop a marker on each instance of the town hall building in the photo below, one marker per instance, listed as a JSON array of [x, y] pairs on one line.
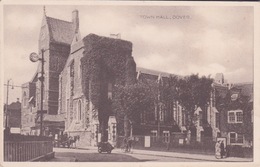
[[81, 73]]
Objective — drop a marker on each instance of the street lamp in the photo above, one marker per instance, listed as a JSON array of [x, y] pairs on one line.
[[34, 57], [6, 107]]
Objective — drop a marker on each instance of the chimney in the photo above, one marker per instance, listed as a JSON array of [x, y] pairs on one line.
[[75, 20], [18, 100]]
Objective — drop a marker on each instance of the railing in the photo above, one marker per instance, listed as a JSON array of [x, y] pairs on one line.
[[26, 150], [171, 142]]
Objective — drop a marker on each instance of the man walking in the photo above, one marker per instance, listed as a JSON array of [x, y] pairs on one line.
[[222, 149]]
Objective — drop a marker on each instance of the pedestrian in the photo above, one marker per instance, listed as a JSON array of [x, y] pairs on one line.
[[222, 149], [126, 144], [217, 148], [129, 144]]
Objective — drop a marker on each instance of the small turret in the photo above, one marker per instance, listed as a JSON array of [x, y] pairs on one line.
[[130, 70], [75, 20]]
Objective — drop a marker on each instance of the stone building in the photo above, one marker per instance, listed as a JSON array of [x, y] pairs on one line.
[[54, 43], [237, 115], [80, 77], [13, 117], [78, 101]]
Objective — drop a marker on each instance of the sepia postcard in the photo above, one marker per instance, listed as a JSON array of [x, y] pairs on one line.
[[137, 83]]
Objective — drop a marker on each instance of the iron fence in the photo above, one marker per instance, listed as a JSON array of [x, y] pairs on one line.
[[26, 150], [177, 141]]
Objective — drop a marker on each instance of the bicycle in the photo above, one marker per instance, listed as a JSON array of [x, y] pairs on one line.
[[125, 148]]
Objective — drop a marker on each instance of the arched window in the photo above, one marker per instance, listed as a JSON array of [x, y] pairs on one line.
[[79, 110]]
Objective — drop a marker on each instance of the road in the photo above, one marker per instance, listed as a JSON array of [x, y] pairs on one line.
[[91, 155]]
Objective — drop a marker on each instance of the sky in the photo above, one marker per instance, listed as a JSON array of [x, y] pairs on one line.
[[176, 39]]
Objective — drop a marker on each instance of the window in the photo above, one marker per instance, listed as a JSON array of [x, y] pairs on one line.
[[24, 99], [161, 112], [232, 137], [183, 119], [231, 117], [156, 112], [166, 136], [109, 91], [235, 116], [154, 135], [68, 108], [79, 111], [72, 78], [236, 138], [200, 118], [239, 116], [80, 71], [143, 119], [217, 120]]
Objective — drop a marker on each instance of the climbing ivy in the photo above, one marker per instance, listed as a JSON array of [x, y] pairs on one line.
[[105, 61]]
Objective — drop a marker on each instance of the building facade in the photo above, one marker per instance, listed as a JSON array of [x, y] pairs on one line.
[[80, 77], [12, 117], [54, 43]]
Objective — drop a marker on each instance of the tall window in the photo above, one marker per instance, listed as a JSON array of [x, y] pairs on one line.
[[217, 120], [183, 119], [72, 78], [235, 116], [60, 96], [200, 118], [154, 135], [79, 110], [166, 136], [24, 99], [109, 91], [68, 109], [156, 109], [239, 116]]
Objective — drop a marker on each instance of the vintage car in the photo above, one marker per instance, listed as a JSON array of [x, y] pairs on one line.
[[105, 147]]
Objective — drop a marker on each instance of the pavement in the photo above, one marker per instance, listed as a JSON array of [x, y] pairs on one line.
[[187, 156], [201, 157]]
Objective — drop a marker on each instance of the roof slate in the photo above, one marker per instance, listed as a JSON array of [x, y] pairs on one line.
[[246, 89], [60, 31]]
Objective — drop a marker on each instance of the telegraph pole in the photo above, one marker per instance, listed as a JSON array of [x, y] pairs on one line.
[[6, 106]]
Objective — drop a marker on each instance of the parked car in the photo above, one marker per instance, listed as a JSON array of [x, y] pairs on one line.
[[105, 147]]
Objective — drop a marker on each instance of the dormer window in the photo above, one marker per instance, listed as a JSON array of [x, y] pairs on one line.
[[234, 97]]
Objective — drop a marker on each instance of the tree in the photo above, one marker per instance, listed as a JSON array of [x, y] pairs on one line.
[[193, 91], [129, 102]]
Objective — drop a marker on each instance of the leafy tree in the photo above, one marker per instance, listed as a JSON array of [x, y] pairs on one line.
[[129, 102], [193, 91]]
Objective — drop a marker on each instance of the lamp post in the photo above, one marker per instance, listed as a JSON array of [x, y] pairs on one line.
[[6, 107], [34, 57]]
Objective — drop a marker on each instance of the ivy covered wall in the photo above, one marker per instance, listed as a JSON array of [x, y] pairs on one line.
[[105, 61]]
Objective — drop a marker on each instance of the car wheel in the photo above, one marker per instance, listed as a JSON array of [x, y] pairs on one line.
[[109, 151]]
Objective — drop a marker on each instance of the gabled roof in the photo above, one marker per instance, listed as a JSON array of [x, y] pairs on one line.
[[246, 88], [221, 89], [152, 72], [60, 31]]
